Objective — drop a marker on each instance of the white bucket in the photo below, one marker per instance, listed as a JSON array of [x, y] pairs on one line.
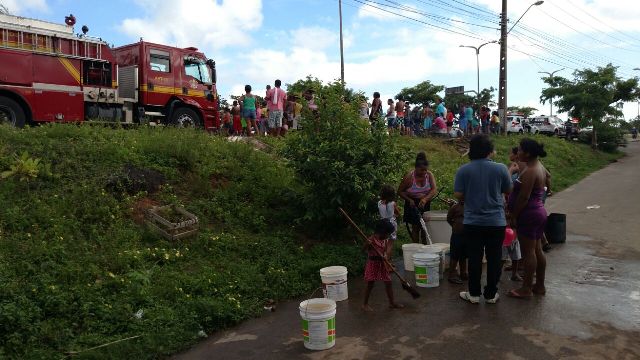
[[438, 227], [435, 249], [318, 323], [407, 252], [334, 283], [427, 267], [446, 250]]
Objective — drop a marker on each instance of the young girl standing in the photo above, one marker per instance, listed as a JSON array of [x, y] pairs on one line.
[[388, 209], [378, 248]]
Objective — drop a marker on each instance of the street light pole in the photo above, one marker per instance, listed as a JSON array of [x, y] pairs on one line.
[[551, 77], [477, 49], [638, 118], [502, 88], [341, 45]]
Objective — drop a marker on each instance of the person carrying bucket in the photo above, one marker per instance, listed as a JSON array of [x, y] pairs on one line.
[[375, 269]]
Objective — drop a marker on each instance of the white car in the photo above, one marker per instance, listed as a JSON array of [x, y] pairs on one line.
[[514, 124], [549, 125]]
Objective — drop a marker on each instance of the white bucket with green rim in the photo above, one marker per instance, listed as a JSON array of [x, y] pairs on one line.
[[407, 252], [318, 323], [427, 268], [334, 283], [435, 249]]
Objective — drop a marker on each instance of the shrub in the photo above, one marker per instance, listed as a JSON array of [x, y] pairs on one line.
[[341, 160], [608, 138]]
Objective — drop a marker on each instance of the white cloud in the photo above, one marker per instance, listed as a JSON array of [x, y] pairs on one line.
[[315, 38], [200, 23], [17, 7]]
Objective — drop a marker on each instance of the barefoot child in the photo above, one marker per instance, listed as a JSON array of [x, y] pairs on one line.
[[455, 218], [376, 269], [389, 210]]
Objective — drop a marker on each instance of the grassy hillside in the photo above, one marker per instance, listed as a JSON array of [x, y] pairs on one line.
[[78, 268]]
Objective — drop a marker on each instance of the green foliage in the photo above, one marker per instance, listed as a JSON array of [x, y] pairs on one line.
[[341, 160], [525, 110], [609, 137], [76, 266], [421, 94], [592, 95], [27, 168], [453, 101]]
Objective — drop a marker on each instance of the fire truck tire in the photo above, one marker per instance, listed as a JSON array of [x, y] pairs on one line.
[[185, 117], [11, 112]]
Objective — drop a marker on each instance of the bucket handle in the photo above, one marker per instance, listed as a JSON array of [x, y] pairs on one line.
[[309, 298]]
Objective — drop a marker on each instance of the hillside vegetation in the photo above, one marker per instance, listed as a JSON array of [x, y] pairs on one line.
[[78, 267]]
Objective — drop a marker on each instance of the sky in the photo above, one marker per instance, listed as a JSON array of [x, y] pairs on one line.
[[388, 45]]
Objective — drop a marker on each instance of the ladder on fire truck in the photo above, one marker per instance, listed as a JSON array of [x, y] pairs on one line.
[[47, 38]]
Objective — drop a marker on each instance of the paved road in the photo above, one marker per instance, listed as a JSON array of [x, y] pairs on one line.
[[591, 311]]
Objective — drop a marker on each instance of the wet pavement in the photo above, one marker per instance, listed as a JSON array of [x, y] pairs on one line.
[[591, 311]]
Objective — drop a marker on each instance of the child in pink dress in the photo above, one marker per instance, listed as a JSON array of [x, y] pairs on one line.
[[376, 268]]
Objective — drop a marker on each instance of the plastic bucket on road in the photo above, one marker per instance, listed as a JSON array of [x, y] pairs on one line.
[[334, 283], [427, 267], [318, 323], [556, 228], [407, 252], [436, 249]]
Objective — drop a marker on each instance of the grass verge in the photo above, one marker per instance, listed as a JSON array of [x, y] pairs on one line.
[[79, 269]]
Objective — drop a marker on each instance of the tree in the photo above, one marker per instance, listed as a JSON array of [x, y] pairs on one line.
[[423, 93], [591, 95], [525, 110], [485, 98], [341, 159], [4, 10]]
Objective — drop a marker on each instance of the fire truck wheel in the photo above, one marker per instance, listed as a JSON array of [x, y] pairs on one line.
[[185, 117], [11, 112]]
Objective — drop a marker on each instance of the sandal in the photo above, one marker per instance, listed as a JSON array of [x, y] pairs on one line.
[[515, 294], [456, 280]]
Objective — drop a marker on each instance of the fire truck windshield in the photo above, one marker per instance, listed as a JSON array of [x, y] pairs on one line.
[[198, 69]]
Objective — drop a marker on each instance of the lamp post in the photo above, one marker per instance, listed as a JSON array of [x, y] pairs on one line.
[[638, 118], [341, 46], [477, 49], [502, 88], [550, 76]]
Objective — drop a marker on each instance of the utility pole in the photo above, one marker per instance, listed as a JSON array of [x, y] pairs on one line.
[[341, 45], [551, 77], [502, 87]]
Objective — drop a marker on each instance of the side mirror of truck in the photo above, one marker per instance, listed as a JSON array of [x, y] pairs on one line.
[[214, 74]]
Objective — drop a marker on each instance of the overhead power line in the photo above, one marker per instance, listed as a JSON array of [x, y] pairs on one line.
[[450, 8], [602, 22], [590, 26], [415, 11], [468, 33], [585, 34]]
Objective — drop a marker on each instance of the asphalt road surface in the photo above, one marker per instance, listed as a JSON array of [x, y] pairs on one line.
[[591, 310]]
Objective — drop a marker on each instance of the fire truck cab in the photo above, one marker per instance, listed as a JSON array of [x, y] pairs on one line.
[[176, 86], [50, 74]]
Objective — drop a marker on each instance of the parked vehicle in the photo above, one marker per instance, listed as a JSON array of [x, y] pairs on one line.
[[515, 123], [549, 125], [48, 74]]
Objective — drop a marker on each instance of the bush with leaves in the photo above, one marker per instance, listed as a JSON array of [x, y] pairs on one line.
[[341, 159]]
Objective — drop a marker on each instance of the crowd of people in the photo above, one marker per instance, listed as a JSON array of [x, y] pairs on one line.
[[278, 112], [494, 201], [274, 114], [436, 119]]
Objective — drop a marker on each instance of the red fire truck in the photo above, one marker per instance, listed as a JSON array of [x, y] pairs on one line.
[[50, 74]]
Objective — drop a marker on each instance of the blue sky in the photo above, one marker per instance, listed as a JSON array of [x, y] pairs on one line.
[[257, 41]]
